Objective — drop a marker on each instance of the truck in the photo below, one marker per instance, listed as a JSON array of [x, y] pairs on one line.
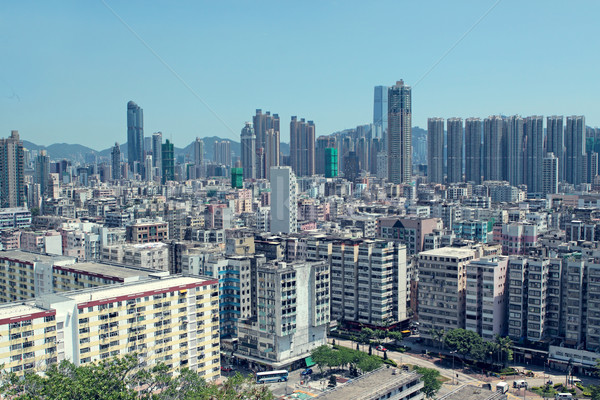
[[502, 387]]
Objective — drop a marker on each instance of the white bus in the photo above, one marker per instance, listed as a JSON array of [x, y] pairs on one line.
[[272, 376]]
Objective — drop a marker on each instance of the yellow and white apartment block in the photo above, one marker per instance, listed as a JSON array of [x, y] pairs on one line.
[[174, 320]]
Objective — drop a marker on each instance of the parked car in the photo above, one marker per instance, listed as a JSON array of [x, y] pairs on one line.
[[380, 348], [226, 368], [307, 371]]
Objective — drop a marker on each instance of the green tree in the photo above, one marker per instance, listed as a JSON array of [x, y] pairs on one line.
[[380, 335], [397, 337], [505, 346], [431, 382], [438, 335], [595, 390], [369, 363], [366, 335], [464, 342]]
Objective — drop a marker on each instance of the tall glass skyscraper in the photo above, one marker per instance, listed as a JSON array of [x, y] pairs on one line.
[[555, 142], [380, 112], [534, 134], [513, 132], [135, 135], [399, 135], [575, 150]]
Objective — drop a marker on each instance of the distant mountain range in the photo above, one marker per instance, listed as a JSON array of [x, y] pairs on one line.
[[81, 153]]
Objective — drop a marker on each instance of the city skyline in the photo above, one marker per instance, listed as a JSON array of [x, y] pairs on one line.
[[82, 62]]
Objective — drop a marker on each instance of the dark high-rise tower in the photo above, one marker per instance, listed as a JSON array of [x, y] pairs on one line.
[[302, 147], [399, 136], [575, 150], [380, 112], [267, 131], [492, 149], [248, 148], [455, 150], [534, 136], [168, 162], [435, 150], [116, 161], [473, 130], [135, 135], [42, 171], [12, 177], [555, 142], [513, 132]]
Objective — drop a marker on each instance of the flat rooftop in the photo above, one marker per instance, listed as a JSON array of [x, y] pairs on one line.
[[370, 386], [468, 392], [13, 310], [107, 270], [107, 292], [449, 252], [26, 256]]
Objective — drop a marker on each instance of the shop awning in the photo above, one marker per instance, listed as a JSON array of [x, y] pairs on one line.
[[309, 362]]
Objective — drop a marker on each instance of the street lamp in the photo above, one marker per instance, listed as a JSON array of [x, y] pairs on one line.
[[452, 352]]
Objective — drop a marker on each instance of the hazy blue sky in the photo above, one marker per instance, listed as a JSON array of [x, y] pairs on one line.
[[69, 67]]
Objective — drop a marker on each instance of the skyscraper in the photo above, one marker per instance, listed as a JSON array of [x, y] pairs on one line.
[[148, 169], [168, 162], [42, 171], [380, 112], [222, 152], [12, 177], [248, 148], [116, 161], [455, 150], [550, 174], [331, 162], [284, 206], [399, 136], [492, 149], [157, 152], [435, 150], [534, 136], [135, 135], [575, 149], [267, 131], [302, 146], [473, 150], [323, 143], [513, 132], [198, 151], [555, 142]]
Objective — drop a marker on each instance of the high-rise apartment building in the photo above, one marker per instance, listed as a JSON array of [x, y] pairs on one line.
[[168, 162], [331, 162], [455, 150], [248, 149], [513, 133], [368, 282], [198, 152], [380, 112], [290, 305], [486, 296], [442, 289], [575, 150], [555, 142], [12, 174], [222, 152], [157, 150], [399, 135], [322, 143], [435, 150], [135, 135], [302, 146], [492, 149], [267, 131], [473, 129], [115, 155], [42, 171], [159, 319], [284, 205], [550, 170], [534, 151]]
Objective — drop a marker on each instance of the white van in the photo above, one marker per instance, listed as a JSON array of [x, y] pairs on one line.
[[563, 396], [502, 387]]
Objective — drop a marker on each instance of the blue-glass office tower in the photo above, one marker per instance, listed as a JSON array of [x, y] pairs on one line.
[[135, 135], [380, 112]]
